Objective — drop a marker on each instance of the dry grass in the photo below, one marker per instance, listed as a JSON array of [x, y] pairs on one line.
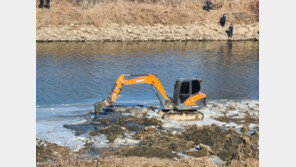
[[141, 161], [125, 12], [48, 154], [114, 161], [250, 162], [52, 155]]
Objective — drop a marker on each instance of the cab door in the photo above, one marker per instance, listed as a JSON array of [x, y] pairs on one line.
[[195, 87], [185, 91]]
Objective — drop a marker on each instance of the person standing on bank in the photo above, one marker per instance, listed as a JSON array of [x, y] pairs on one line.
[[208, 6], [41, 4], [223, 20], [230, 31]]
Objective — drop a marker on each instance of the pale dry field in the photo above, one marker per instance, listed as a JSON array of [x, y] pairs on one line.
[[166, 12]]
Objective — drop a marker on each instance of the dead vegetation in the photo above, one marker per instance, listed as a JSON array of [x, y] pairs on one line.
[[196, 141], [49, 154], [117, 128], [227, 144], [156, 146], [147, 12], [65, 157], [142, 161], [247, 119]]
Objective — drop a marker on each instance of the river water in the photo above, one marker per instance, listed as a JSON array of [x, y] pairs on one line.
[[72, 76]]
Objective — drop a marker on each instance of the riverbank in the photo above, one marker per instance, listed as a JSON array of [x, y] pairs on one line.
[[194, 32], [228, 136], [125, 20]]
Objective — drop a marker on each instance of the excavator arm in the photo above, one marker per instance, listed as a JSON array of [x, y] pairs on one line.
[[141, 79]]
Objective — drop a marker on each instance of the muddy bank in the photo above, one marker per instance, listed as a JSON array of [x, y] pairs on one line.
[[49, 154], [206, 141], [222, 147], [226, 144], [194, 32], [132, 133], [234, 138], [117, 128]]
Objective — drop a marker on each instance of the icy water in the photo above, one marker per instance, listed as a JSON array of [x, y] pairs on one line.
[[72, 76]]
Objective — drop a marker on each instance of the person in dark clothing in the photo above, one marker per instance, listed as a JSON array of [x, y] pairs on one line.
[[223, 20], [230, 31], [41, 4], [208, 6]]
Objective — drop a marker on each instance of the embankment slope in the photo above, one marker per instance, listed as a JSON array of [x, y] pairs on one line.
[[125, 20]]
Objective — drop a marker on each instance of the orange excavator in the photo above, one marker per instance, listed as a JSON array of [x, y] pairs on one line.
[[185, 102]]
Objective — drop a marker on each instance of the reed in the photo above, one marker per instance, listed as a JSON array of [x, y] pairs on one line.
[[147, 12]]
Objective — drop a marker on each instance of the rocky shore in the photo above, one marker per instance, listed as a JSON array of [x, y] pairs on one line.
[[158, 32]]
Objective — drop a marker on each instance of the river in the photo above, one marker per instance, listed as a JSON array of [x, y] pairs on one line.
[[71, 76]]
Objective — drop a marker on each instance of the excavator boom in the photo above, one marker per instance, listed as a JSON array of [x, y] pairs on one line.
[[140, 79], [146, 79]]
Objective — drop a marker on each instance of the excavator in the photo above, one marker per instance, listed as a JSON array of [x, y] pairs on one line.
[[185, 102]]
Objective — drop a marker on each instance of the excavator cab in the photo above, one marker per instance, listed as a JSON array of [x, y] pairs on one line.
[[183, 90]]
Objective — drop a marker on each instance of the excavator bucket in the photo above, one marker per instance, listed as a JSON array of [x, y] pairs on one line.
[[99, 106]]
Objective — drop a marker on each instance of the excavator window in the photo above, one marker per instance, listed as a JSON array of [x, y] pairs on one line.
[[184, 88], [195, 86], [184, 91]]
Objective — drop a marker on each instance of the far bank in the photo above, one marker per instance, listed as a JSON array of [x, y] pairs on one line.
[[160, 20], [114, 32]]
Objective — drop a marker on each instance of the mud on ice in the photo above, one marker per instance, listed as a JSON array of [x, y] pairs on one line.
[[228, 132]]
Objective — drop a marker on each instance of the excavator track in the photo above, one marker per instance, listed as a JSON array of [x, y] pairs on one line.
[[184, 115]]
